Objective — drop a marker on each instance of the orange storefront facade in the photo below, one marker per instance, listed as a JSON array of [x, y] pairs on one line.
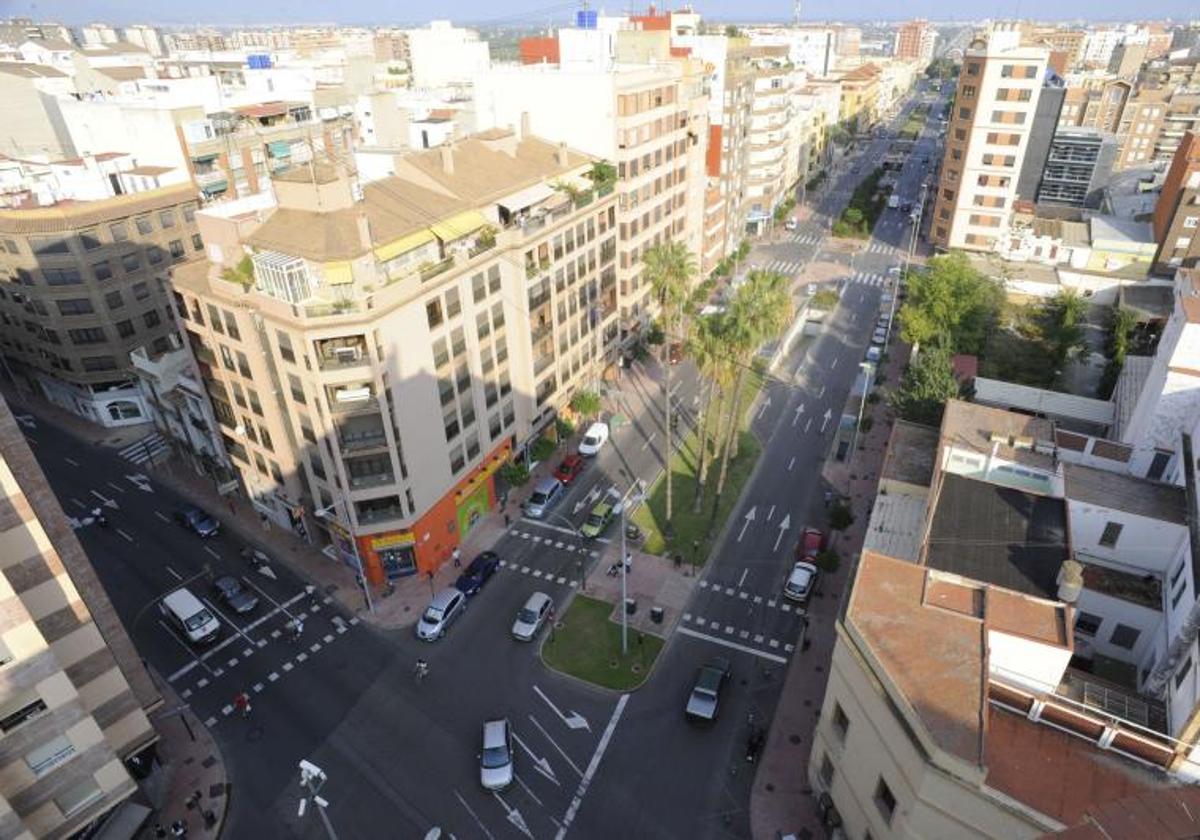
[[425, 546]]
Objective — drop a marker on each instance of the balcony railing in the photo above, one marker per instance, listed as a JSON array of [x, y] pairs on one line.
[[347, 358], [359, 441], [542, 363], [372, 515], [536, 335], [360, 482], [430, 271]]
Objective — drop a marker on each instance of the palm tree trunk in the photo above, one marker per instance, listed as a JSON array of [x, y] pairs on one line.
[[666, 357], [732, 427], [702, 434]]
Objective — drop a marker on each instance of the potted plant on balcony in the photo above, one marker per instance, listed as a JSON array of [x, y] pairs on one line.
[[603, 174], [242, 274]]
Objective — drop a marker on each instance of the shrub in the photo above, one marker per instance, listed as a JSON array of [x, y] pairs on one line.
[[514, 474], [828, 560], [840, 517], [542, 448], [564, 427]]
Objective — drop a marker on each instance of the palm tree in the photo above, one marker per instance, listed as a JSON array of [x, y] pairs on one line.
[[707, 348], [760, 310], [669, 268]]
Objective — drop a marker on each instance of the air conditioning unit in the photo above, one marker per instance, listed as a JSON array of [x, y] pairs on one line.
[[347, 354], [352, 395]]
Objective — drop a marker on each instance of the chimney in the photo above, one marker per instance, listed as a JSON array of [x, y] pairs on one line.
[[364, 229], [525, 131], [560, 155], [447, 159]]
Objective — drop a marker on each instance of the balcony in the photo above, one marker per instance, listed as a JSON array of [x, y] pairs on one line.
[[371, 513], [540, 365], [351, 399], [432, 270], [357, 434], [341, 353], [363, 482]]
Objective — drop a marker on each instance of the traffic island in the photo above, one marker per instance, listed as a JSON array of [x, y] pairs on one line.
[[585, 643]]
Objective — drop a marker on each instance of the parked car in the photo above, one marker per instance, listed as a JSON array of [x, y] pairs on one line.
[[196, 621], [571, 466], [597, 520], [545, 495], [705, 697], [532, 616], [235, 596], [443, 609], [477, 573], [906, 207], [885, 299], [883, 320], [874, 354], [791, 225], [812, 541], [197, 521], [879, 336], [496, 757], [810, 289], [801, 581], [594, 439]]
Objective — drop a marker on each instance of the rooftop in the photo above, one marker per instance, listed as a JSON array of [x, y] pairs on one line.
[[911, 451], [998, 535], [30, 71], [1149, 301], [1116, 491], [897, 525], [984, 429], [1168, 814], [1121, 230], [1070, 233], [69, 216]]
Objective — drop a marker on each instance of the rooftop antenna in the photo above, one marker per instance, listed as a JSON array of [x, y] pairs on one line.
[[796, 13]]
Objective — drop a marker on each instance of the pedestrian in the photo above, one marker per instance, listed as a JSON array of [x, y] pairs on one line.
[[828, 497], [179, 828], [241, 702], [456, 555], [159, 830], [232, 506]]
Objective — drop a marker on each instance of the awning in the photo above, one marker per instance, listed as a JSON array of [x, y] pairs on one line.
[[526, 197], [280, 148], [338, 273], [458, 226], [214, 187], [206, 156], [403, 244]]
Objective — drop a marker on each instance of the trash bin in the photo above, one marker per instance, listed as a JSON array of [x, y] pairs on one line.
[[630, 606], [656, 615]]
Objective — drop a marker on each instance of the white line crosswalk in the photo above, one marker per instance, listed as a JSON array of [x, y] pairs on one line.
[[784, 266], [149, 448], [877, 247], [806, 238]]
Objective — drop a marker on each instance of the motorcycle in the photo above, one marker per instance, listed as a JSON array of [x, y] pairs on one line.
[[99, 518], [755, 742], [254, 557]]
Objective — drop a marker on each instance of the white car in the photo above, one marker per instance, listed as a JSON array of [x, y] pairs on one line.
[[874, 354], [496, 757], [880, 336], [593, 439], [532, 616], [811, 289], [791, 224], [800, 582]]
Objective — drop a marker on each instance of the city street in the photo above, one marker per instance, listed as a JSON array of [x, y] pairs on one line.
[[403, 753]]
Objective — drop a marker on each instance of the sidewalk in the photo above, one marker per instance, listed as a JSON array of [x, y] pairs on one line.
[[782, 801]]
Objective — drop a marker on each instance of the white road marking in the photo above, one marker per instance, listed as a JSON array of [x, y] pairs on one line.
[[126, 536], [835, 361], [475, 817], [791, 463], [558, 528], [252, 625], [78, 503], [116, 487], [743, 579], [687, 631], [554, 744], [162, 516], [808, 425], [569, 817], [174, 573], [72, 462], [770, 513], [648, 441]]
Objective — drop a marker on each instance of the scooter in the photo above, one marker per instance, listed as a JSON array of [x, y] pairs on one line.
[[99, 518], [254, 557]]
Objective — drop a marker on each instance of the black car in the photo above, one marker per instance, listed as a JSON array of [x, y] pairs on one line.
[[239, 599], [197, 521], [906, 207], [477, 573]]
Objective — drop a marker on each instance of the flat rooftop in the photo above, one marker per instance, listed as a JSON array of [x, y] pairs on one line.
[[1116, 491], [998, 535], [911, 452]]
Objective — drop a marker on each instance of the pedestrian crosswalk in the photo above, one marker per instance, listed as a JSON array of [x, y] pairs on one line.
[[148, 449], [786, 267], [806, 238], [877, 247], [864, 278]]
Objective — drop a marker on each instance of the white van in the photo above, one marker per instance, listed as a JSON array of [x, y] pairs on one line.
[[187, 613], [893, 201]]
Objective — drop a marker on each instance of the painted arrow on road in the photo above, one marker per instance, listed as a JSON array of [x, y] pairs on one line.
[[765, 404], [573, 720], [783, 526], [141, 481], [26, 420], [108, 503], [514, 816], [825, 419], [750, 514], [799, 411], [590, 497], [267, 571], [539, 764]]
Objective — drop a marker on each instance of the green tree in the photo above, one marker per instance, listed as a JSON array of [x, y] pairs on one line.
[[670, 269], [840, 517], [950, 300], [926, 385], [1063, 319], [732, 31], [602, 173], [707, 348], [586, 403]]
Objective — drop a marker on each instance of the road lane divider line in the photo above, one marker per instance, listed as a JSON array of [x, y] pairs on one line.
[[475, 817], [762, 654], [173, 573], [126, 536], [116, 487], [593, 766], [188, 648], [209, 549], [554, 744], [71, 461], [162, 516]]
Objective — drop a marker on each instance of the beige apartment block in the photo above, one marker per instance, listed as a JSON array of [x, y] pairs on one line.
[[773, 165], [75, 695], [377, 351], [989, 128], [83, 284]]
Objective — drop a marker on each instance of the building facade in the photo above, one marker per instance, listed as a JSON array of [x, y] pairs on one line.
[[915, 41], [1177, 213], [376, 353], [85, 283], [986, 139]]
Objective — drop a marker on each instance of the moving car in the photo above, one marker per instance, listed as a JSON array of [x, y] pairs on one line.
[[235, 596], [906, 207], [593, 439], [801, 581], [597, 520], [184, 610], [810, 544], [197, 521], [706, 691], [445, 606], [496, 757], [532, 616], [544, 496], [477, 573], [810, 289], [893, 201], [571, 466]]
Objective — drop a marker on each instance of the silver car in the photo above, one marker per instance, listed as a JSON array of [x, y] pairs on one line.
[[544, 496], [532, 616], [496, 759], [445, 606]]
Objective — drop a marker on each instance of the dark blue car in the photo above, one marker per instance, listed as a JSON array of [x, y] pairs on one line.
[[477, 572], [197, 521]]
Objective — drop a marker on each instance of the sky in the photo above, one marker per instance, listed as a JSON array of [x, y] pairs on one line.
[[538, 12]]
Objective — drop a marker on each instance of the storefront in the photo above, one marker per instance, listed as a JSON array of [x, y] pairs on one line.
[[392, 554]]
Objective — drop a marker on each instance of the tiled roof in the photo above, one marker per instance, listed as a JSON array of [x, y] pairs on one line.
[[68, 217], [30, 71]]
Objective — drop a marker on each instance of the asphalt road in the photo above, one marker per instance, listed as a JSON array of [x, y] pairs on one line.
[[401, 755]]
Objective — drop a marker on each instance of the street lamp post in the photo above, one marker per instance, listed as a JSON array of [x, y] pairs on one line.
[[626, 500], [358, 564], [868, 369], [312, 778]]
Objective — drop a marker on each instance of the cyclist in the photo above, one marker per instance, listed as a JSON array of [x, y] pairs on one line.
[[422, 669]]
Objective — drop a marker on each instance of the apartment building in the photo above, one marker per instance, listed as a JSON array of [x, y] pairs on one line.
[[86, 283], [914, 41], [75, 696], [648, 119], [989, 128], [773, 165], [1076, 168], [442, 55], [1099, 106], [377, 351], [1177, 212], [1014, 653], [860, 98]]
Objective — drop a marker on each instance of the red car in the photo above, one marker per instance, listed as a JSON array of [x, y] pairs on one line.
[[571, 466], [811, 543]]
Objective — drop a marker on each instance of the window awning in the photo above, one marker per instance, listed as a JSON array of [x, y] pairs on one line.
[[458, 226], [526, 198], [403, 244], [338, 273], [214, 187], [205, 156]]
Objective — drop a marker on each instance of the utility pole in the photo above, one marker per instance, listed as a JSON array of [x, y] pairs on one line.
[[624, 504], [796, 14], [312, 778]]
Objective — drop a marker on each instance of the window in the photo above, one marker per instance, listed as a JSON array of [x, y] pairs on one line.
[[87, 335], [189, 213], [75, 306], [296, 388], [478, 287], [433, 312], [231, 327], [77, 797], [43, 759], [143, 225], [19, 710], [1180, 675], [154, 254], [131, 262], [176, 247], [285, 342], [841, 723], [118, 231], [1087, 623], [49, 245], [166, 218], [197, 242], [1112, 533], [125, 329], [1124, 636], [453, 306], [885, 801], [62, 276], [102, 270], [826, 772], [89, 238], [98, 363], [152, 318], [141, 291]]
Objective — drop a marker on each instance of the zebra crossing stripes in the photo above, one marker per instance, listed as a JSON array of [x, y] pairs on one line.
[[806, 238], [867, 279], [784, 266], [148, 449], [876, 247]]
